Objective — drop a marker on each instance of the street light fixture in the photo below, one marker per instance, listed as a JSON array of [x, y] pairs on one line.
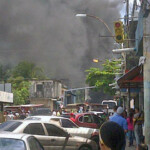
[[96, 60], [123, 50], [99, 19]]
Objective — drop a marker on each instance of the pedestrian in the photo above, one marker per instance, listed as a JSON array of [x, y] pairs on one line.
[[130, 128], [54, 113], [138, 121], [72, 117], [118, 118], [58, 113], [114, 110], [111, 136]]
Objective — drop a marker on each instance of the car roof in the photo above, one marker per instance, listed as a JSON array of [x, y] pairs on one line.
[[35, 121], [28, 121], [86, 113], [13, 135], [45, 117], [97, 112]]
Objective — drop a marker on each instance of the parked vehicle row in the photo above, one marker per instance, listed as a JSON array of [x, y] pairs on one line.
[[49, 135]]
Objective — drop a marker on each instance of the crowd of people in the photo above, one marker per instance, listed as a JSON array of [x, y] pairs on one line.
[[9, 115], [113, 133]]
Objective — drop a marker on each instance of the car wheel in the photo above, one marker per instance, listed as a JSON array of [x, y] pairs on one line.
[[85, 147]]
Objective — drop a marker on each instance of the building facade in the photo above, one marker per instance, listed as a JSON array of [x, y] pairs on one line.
[[47, 92]]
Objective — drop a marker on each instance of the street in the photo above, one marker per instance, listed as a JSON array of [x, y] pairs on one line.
[[75, 74]]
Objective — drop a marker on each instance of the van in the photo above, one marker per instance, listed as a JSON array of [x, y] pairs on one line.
[[110, 105]]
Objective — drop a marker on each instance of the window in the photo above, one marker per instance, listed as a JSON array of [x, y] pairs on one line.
[[87, 119], [12, 144], [97, 120], [35, 129], [10, 125], [111, 105], [34, 144], [67, 124], [54, 130], [81, 119], [39, 87]]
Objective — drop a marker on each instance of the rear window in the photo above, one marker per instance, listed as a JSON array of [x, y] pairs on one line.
[[68, 124], [11, 144], [9, 125]]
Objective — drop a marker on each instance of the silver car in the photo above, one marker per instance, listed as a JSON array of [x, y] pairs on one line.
[[12, 141], [50, 136], [70, 127]]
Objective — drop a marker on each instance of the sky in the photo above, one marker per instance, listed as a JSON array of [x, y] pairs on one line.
[[47, 33]]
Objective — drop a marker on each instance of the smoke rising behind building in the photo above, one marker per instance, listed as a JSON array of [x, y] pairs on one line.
[[47, 33]]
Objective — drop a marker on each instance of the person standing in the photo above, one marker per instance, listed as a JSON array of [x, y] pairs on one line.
[[115, 111], [118, 118], [138, 121], [111, 136], [54, 113], [130, 128]]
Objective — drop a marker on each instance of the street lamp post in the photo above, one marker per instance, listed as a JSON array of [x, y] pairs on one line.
[[99, 19]]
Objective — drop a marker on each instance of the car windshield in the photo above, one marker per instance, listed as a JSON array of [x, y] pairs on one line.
[[110, 104], [11, 144], [9, 125]]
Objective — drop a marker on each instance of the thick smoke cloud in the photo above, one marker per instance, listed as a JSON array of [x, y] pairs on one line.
[[48, 33]]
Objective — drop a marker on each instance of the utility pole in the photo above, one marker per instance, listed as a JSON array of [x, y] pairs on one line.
[[127, 17], [127, 29], [146, 53]]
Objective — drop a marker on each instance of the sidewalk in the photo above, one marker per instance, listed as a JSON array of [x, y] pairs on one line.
[[130, 148]]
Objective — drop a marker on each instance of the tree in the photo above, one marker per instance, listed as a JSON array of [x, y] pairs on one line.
[[28, 70], [20, 77], [20, 89], [102, 78]]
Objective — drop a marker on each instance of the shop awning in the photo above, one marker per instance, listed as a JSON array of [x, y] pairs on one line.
[[132, 79]]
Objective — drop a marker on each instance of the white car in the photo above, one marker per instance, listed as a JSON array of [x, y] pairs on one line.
[[11, 141], [49, 135], [70, 127]]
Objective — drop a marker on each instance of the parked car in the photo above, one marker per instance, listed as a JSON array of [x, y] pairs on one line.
[[70, 127], [9, 141], [89, 120], [49, 135]]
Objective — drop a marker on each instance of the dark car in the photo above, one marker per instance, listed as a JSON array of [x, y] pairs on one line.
[[40, 111]]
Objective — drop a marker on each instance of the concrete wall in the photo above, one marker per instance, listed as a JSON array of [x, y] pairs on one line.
[[47, 102], [45, 89]]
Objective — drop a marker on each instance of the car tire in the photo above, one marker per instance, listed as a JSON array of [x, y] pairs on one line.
[[85, 147]]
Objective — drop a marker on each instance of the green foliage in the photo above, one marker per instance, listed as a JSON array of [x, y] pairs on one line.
[[28, 71], [20, 77], [102, 78]]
